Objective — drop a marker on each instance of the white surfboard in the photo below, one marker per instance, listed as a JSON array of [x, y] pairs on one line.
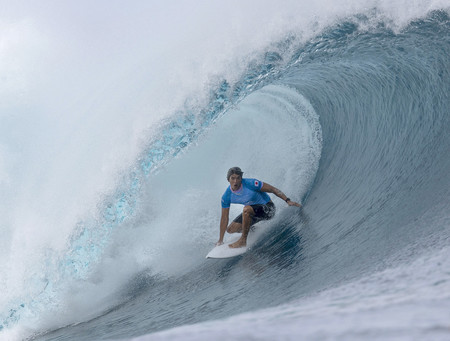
[[225, 251]]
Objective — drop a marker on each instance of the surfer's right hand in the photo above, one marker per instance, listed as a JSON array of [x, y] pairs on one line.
[[219, 243]]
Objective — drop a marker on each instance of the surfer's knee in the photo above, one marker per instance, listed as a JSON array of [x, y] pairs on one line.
[[248, 211]]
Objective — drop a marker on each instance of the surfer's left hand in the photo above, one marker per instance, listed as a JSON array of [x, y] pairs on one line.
[[293, 203]]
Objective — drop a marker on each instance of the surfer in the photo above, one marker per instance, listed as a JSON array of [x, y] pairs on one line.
[[258, 206]]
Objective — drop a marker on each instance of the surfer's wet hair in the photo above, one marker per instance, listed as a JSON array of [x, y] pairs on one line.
[[234, 170]]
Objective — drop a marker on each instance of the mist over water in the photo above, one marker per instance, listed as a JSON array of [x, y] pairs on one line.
[[118, 123]]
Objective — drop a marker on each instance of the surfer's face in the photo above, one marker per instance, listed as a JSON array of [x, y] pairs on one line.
[[235, 181]]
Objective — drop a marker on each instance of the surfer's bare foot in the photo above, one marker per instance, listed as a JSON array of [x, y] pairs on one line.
[[239, 243]]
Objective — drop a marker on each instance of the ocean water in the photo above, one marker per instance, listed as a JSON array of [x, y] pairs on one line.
[[119, 121]]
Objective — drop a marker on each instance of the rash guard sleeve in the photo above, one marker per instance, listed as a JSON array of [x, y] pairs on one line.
[[226, 199]]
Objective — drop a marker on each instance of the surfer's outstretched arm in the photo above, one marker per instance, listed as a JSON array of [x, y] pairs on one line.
[[271, 189], [223, 224]]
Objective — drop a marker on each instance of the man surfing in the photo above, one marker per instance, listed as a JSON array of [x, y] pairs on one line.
[[251, 193]]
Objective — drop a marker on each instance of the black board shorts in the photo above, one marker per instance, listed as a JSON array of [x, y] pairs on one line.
[[262, 212]]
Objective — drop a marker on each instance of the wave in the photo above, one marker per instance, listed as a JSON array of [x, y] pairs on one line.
[[352, 122]]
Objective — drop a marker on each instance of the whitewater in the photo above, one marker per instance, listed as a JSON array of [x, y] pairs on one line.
[[119, 121]]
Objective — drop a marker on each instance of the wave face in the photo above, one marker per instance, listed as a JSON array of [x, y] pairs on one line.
[[352, 121]]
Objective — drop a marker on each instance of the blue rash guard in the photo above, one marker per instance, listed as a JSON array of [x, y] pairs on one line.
[[249, 194]]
